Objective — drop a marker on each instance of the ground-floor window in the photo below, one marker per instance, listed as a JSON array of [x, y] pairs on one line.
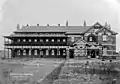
[[64, 53], [47, 52], [18, 52], [41, 52], [24, 52], [53, 52], [35, 52], [29, 52], [58, 52]]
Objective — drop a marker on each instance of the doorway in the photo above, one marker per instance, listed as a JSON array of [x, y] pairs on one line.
[[71, 53], [93, 54]]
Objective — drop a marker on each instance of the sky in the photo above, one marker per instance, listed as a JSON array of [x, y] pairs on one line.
[[53, 12]]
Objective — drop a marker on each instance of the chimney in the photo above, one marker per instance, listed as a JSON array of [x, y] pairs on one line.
[[37, 24], [106, 25], [18, 27], [67, 23], [27, 25], [85, 23], [47, 24], [58, 24], [109, 26]]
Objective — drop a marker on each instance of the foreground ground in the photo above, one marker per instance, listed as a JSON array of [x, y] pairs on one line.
[[46, 71]]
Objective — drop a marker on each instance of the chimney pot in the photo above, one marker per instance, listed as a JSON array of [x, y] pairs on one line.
[[37, 24], [47, 24]]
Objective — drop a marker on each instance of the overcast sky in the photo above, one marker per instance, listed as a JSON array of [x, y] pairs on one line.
[[55, 12]]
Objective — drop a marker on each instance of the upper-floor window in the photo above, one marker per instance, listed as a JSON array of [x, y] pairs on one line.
[[64, 40], [47, 40], [104, 37], [58, 40], [53, 40], [18, 40], [24, 40], [90, 39], [72, 39], [35, 40], [30, 40], [41, 40]]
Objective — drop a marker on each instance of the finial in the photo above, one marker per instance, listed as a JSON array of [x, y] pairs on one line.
[[18, 27]]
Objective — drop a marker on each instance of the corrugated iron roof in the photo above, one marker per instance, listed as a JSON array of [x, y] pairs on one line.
[[67, 29]]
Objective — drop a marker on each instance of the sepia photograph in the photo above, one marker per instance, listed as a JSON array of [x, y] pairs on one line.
[[59, 41]]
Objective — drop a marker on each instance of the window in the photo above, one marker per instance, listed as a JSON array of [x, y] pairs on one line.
[[18, 52], [35, 40], [64, 52], [64, 40], [24, 40], [52, 40], [29, 52], [58, 40], [58, 52], [53, 53], [35, 52], [47, 52], [104, 37], [72, 39], [90, 38], [29, 40], [41, 40], [18, 40], [47, 40], [24, 52]]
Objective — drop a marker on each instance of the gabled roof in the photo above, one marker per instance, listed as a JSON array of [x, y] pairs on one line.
[[67, 29], [106, 29], [97, 23], [80, 41]]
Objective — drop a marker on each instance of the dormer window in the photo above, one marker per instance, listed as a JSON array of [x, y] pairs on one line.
[[104, 37]]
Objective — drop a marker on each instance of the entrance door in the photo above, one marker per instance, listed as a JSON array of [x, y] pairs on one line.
[[93, 54], [71, 53]]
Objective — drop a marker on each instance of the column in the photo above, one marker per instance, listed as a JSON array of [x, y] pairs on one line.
[[67, 52]]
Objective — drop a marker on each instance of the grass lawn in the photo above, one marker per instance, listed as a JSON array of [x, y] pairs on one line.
[[38, 67]]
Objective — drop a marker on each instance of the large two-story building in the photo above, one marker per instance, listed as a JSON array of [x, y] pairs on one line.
[[61, 41]]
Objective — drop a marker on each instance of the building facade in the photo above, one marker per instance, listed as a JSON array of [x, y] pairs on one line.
[[94, 41]]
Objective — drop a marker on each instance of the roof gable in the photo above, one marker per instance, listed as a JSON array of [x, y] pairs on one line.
[[96, 25], [104, 29], [80, 42]]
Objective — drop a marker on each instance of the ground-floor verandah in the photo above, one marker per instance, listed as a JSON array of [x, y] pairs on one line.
[[36, 53]]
